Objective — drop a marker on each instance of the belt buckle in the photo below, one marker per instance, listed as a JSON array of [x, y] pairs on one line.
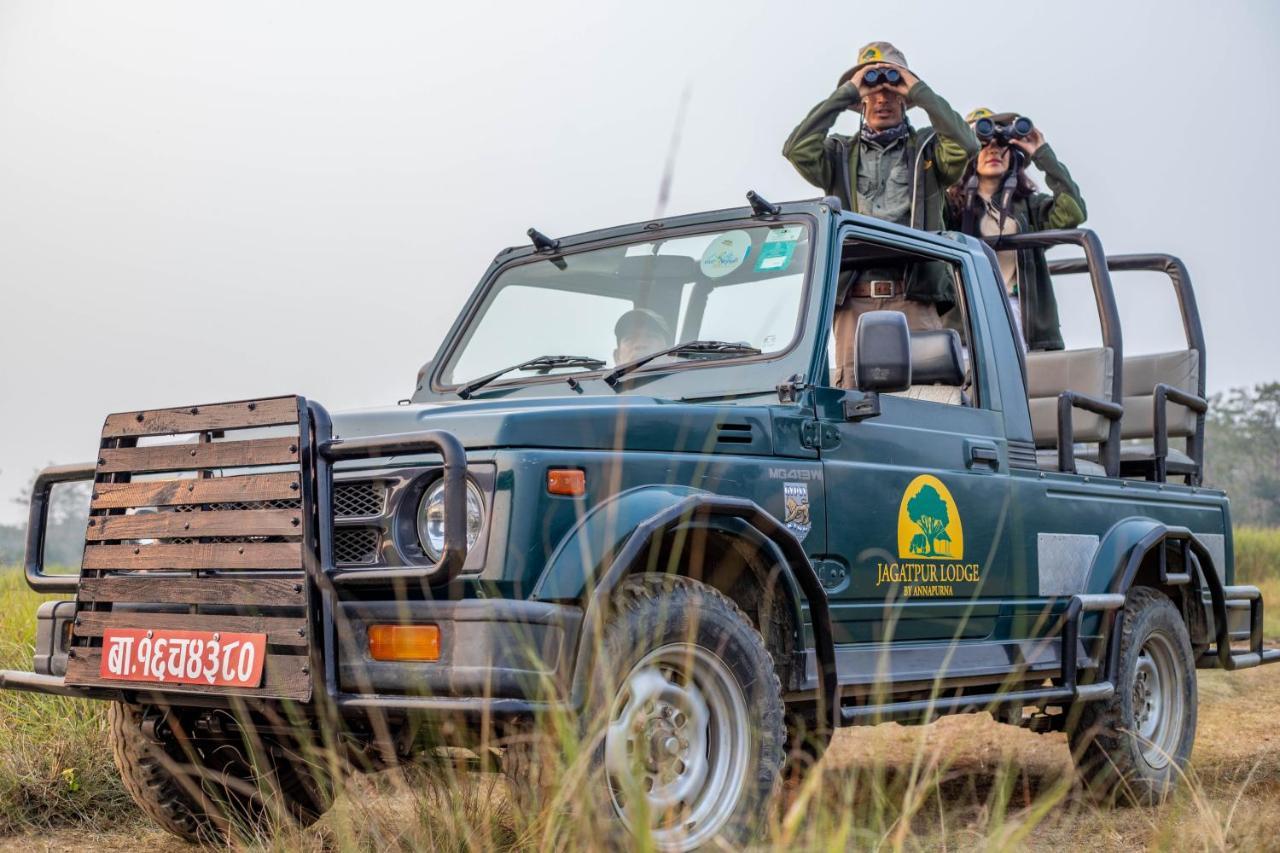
[[877, 286]]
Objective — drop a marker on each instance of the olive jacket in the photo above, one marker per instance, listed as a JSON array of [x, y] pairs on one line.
[[1062, 208], [936, 156]]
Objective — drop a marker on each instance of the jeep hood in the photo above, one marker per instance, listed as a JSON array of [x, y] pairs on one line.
[[590, 423]]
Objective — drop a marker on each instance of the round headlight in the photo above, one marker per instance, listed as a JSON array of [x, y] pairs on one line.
[[431, 518]]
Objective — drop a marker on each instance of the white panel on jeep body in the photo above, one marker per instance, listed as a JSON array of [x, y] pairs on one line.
[[1063, 560]]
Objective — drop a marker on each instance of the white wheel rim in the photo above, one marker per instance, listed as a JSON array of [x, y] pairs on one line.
[[677, 746], [1158, 700]]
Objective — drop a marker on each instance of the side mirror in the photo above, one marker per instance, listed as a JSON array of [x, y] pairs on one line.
[[882, 352]]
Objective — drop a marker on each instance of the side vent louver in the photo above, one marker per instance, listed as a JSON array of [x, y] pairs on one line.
[[733, 433]]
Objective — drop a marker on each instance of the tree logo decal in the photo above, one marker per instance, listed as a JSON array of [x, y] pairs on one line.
[[929, 525]]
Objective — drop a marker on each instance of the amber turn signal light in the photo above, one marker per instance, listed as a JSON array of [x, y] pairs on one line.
[[404, 642], [567, 481]]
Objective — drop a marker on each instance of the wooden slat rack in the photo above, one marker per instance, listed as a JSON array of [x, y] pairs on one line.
[[204, 529]]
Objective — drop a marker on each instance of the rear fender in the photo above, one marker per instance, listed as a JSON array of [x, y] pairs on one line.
[[1116, 550], [1122, 553]]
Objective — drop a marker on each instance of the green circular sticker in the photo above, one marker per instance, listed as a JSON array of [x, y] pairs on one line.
[[725, 253]]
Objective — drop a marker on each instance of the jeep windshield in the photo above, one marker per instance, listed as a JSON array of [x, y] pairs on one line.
[[741, 286]]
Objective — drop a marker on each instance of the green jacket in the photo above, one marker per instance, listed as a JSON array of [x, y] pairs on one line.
[[1064, 208], [937, 154]]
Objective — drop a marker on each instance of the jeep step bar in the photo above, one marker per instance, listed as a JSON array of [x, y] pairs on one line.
[[1068, 691], [1222, 657]]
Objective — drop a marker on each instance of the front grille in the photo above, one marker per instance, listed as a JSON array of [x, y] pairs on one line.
[[355, 545], [359, 500], [282, 503]]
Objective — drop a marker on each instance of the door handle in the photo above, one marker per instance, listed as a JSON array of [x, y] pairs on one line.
[[982, 453]]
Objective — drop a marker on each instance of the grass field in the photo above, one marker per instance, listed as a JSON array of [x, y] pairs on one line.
[[962, 783], [1258, 563]]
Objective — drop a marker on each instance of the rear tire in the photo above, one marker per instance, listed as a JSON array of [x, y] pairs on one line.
[[210, 798], [1134, 746]]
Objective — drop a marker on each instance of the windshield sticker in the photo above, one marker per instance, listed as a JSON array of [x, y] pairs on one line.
[[726, 253], [779, 246], [790, 234], [775, 257]]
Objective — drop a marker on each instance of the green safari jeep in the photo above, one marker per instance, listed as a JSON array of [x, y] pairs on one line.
[[629, 491]]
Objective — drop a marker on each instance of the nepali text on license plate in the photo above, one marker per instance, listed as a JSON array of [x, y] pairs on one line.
[[220, 659]]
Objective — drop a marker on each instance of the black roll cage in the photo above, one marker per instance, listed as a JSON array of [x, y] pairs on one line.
[[1180, 278], [1095, 263]]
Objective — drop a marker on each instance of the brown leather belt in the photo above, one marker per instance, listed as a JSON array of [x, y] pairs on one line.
[[878, 289]]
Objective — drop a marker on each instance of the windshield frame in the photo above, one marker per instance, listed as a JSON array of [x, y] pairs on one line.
[[647, 233]]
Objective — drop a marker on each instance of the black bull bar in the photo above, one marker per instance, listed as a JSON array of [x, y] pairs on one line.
[[318, 454]]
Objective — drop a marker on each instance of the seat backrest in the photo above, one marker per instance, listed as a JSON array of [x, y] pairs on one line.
[[937, 358], [1087, 371], [1180, 369], [937, 367]]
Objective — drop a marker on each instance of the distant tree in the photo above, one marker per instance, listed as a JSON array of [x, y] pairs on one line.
[[12, 543], [1242, 451], [929, 512], [12, 538]]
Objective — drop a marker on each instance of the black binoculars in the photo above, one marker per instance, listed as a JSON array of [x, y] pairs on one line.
[[882, 76], [987, 130]]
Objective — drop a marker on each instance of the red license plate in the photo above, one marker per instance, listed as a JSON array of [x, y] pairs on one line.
[[213, 658]]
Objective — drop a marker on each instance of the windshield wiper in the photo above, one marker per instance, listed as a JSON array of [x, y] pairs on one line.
[[542, 363], [689, 348]]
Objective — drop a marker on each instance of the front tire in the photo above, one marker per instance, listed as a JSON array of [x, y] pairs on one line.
[[687, 715], [206, 794], [1135, 745]]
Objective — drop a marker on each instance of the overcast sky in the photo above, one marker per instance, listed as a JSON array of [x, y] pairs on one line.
[[209, 201]]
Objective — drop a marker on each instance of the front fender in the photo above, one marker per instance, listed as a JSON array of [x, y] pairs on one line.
[[603, 542], [574, 566]]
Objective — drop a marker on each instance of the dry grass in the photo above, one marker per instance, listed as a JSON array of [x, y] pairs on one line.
[[55, 769], [962, 783]]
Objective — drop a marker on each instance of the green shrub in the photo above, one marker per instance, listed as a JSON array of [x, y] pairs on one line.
[[1257, 554]]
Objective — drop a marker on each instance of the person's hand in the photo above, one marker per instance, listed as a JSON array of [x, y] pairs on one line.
[[1029, 144]]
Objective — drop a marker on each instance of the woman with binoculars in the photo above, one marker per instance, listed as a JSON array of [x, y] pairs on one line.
[[995, 196]]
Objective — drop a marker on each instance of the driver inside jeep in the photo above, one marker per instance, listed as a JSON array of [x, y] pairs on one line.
[[640, 332]]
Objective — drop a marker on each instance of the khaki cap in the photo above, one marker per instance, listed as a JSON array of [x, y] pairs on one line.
[[986, 112], [871, 54]]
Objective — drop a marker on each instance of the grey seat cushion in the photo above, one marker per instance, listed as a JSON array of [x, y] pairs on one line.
[[1180, 369], [1047, 460], [1087, 371]]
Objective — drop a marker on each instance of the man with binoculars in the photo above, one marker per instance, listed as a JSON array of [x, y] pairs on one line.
[[889, 170], [996, 196]]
